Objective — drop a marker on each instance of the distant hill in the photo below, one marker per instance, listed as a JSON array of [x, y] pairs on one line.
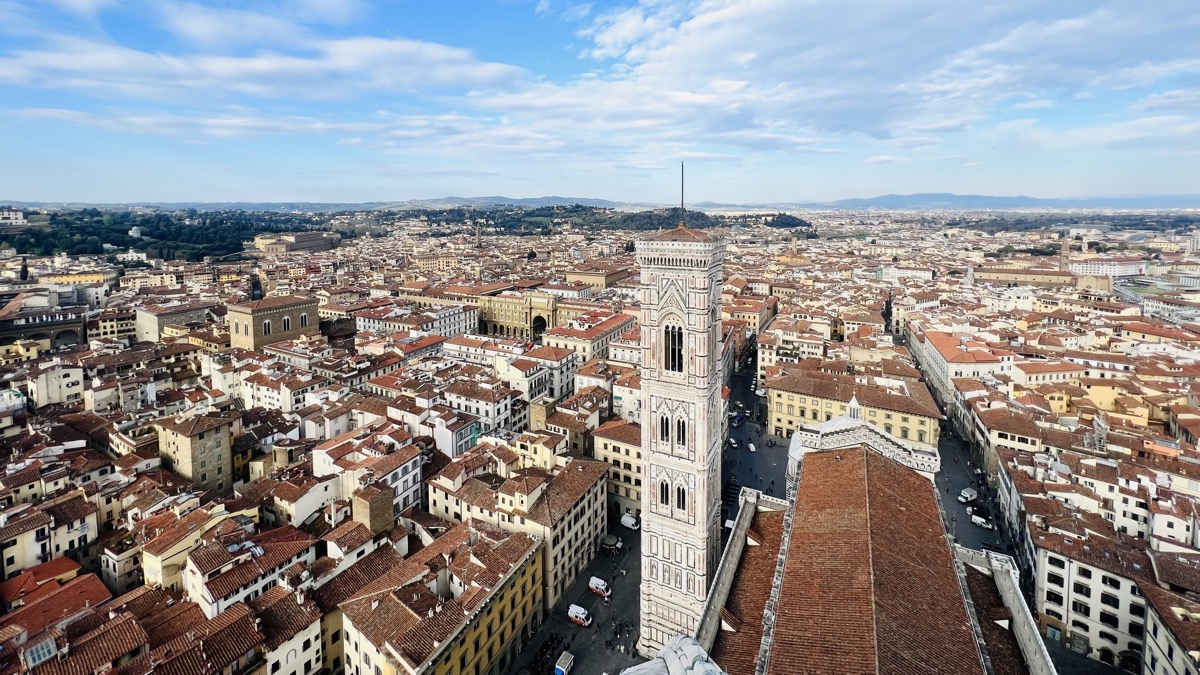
[[916, 202], [943, 200]]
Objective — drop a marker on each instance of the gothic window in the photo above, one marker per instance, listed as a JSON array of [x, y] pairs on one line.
[[664, 429], [304, 320], [673, 349], [681, 432], [681, 498], [664, 494], [287, 323], [266, 328]]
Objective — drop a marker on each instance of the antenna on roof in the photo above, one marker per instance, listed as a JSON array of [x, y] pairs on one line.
[[681, 213]]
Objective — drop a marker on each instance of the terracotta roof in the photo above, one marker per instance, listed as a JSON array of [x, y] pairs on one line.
[[737, 649], [681, 233], [869, 582], [282, 616], [1003, 650], [76, 594], [100, 647]]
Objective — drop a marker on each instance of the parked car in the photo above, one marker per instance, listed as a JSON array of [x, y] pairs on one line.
[[599, 587], [565, 663], [628, 520], [579, 615], [751, 446], [968, 495], [760, 392], [737, 421], [733, 443]]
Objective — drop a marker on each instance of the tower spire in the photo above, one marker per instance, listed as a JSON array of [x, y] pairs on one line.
[[681, 214]]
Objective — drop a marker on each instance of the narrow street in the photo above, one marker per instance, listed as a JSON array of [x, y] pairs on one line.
[[592, 655], [766, 467], [958, 472]]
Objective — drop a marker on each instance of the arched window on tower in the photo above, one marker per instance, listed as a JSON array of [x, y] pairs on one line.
[[673, 349], [681, 432], [287, 323], [664, 429], [681, 498], [304, 320], [664, 494], [266, 328]]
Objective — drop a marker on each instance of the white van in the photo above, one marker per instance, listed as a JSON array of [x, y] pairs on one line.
[[968, 495], [565, 663], [982, 522], [579, 615], [629, 521], [599, 587]]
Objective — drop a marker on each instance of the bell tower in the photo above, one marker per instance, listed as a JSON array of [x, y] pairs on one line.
[[683, 429]]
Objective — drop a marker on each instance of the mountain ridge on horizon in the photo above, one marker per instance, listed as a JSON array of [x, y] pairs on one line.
[[899, 202]]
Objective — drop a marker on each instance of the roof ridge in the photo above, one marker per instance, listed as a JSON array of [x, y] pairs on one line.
[[871, 550]]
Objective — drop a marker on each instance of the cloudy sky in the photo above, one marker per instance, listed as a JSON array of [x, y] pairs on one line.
[[766, 100]]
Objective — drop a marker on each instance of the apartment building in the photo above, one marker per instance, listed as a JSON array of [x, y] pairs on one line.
[[566, 508], [945, 356], [618, 443], [1087, 594], [239, 568], [903, 410], [200, 449], [589, 335], [60, 525], [464, 604]]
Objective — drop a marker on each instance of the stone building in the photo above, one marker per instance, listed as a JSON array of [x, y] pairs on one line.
[[255, 324]]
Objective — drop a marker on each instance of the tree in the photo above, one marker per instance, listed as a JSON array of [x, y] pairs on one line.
[[532, 255], [629, 247], [24, 270]]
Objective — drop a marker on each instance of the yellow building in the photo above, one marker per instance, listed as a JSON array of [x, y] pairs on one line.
[[906, 411], [465, 604], [107, 277], [619, 445], [164, 556], [507, 312], [564, 508], [113, 323]]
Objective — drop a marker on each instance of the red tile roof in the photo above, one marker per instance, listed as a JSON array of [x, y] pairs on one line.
[[869, 583]]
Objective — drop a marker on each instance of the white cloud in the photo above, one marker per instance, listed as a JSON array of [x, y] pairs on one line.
[[223, 28], [1169, 131], [331, 69], [1175, 99], [718, 78]]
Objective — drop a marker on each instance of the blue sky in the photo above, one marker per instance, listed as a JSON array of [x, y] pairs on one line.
[[766, 100]]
